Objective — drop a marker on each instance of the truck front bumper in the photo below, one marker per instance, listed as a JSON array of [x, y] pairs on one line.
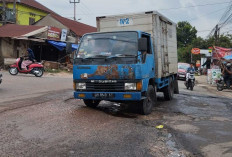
[[117, 96]]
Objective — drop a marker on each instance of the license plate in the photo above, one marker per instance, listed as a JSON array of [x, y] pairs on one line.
[[182, 75], [103, 95]]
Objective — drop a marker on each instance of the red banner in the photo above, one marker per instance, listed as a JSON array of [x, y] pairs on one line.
[[220, 52], [53, 33]]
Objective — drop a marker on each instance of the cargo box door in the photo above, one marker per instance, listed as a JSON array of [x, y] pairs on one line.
[[164, 48]]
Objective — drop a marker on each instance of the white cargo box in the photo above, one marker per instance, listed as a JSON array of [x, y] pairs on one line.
[[162, 30]]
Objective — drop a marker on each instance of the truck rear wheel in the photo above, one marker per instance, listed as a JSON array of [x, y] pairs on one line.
[[147, 104], [169, 90], [91, 103], [176, 87]]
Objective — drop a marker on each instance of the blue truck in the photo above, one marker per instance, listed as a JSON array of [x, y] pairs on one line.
[[129, 59]]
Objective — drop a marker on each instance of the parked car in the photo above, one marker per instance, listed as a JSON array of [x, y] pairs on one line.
[[182, 70]]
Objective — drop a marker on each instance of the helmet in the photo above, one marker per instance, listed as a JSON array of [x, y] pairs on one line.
[[228, 64]]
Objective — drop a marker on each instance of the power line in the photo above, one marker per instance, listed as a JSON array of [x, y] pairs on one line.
[[200, 5], [210, 13], [224, 20]]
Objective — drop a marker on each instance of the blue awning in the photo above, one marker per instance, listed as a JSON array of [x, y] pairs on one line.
[[61, 45], [228, 57]]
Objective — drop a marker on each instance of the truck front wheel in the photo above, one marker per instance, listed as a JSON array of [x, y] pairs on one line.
[[148, 103], [169, 90], [91, 103]]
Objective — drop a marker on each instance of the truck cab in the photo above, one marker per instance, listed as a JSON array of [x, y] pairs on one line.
[[122, 64], [116, 66]]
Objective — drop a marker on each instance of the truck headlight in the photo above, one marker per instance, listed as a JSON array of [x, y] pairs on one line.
[[81, 85], [130, 86]]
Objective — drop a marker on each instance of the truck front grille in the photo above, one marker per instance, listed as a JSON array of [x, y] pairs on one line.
[[105, 87]]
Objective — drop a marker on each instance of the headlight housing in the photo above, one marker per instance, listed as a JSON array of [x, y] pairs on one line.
[[130, 86], [81, 86]]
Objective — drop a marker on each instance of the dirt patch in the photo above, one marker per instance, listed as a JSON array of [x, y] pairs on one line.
[[60, 74], [186, 128], [221, 119], [219, 149]]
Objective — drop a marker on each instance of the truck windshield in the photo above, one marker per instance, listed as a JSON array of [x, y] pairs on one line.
[[108, 44]]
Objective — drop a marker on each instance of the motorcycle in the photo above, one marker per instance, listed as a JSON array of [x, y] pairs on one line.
[[191, 80], [221, 84], [36, 69], [0, 78]]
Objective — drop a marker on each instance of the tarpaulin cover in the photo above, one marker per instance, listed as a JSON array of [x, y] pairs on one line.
[[61, 45], [228, 57], [220, 52]]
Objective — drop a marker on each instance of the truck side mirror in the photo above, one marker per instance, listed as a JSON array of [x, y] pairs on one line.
[[142, 44], [68, 47]]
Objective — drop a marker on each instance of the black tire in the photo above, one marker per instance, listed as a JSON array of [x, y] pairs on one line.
[[169, 90], [92, 103], [13, 71], [219, 87], [176, 87], [191, 86], [148, 103], [40, 72]]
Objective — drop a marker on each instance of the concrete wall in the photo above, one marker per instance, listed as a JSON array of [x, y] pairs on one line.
[[13, 48], [50, 21], [23, 13]]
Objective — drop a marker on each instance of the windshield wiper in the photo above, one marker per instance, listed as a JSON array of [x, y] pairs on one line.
[[94, 57]]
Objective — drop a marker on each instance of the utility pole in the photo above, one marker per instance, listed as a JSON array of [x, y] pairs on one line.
[[4, 12], [14, 11], [74, 2], [217, 35]]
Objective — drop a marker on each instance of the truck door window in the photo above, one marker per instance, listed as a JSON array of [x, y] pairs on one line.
[[148, 43]]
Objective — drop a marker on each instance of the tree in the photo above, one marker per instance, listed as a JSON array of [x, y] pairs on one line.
[[186, 33]]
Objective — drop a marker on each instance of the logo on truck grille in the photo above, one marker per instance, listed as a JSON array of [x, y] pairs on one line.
[[103, 81]]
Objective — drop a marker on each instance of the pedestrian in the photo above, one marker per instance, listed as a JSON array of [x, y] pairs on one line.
[[227, 74]]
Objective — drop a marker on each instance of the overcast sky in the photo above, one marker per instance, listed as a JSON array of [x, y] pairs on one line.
[[203, 17]]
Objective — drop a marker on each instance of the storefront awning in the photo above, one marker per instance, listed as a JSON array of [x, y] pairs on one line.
[[61, 45]]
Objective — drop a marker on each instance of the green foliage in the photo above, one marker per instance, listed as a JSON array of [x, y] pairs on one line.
[[185, 34], [187, 39]]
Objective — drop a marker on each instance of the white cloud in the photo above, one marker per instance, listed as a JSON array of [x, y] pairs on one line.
[[87, 10]]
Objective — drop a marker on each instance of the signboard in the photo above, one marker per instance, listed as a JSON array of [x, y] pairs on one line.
[[210, 49], [195, 51], [125, 22], [64, 35], [53, 33], [198, 63], [216, 74]]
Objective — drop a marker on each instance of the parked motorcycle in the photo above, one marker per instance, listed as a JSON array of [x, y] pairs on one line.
[[36, 69], [222, 85], [190, 80]]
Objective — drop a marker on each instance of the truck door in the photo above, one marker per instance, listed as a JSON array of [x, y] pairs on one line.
[[149, 58], [164, 47]]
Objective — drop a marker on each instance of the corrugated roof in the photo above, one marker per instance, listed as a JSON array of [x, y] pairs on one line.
[[32, 3], [78, 28], [13, 30]]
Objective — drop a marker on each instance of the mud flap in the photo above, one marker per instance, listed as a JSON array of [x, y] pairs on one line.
[[176, 87]]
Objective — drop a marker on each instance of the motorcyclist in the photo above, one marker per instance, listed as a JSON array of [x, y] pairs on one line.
[[190, 69], [227, 74], [28, 59]]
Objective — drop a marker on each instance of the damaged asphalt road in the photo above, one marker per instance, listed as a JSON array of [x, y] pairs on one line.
[[55, 124]]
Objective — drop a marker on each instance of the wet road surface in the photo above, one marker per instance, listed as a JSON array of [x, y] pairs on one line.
[[54, 124]]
